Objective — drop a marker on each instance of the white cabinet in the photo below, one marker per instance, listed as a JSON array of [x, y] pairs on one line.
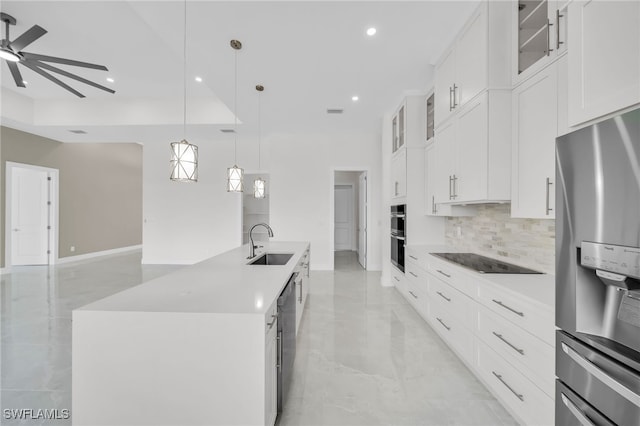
[[398, 126], [539, 35], [604, 61], [535, 126], [271, 368], [302, 287], [473, 152], [399, 174], [477, 60]]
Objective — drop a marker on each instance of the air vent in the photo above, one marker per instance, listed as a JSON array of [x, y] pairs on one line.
[[227, 130], [78, 132], [335, 110]]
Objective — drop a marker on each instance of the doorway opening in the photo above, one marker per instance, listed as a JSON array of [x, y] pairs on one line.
[[31, 215], [350, 219]]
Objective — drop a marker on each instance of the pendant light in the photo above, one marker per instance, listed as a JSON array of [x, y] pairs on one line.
[[259, 184], [235, 173], [184, 156]]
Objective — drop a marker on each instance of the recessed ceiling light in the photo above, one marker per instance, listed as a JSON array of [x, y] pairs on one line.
[[110, 80], [371, 31], [354, 98], [199, 79]]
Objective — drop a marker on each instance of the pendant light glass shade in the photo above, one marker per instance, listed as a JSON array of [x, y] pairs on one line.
[[184, 162], [234, 179], [259, 187]]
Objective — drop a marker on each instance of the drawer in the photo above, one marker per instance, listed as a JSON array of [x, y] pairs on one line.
[[452, 275], [533, 357], [416, 275], [453, 301], [418, 298], [452, 331], [534, 319], [398, 280], [528, 403], [419, 257]]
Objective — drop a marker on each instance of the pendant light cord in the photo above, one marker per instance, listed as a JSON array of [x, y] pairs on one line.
[[235, 109], [184, 74], [259, 128]]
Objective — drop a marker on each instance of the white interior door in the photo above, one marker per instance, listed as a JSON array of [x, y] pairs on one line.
[[362, 220], [343, 217], [29, 217]]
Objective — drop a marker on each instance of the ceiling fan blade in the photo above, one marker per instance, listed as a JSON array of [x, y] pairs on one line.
[[28, 37], [52, 78], [15, 72], [68, 74], [53, 59]]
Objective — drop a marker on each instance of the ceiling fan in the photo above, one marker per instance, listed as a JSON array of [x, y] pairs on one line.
[[12, 53]]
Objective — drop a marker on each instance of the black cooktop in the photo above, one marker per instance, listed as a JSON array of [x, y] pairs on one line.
[[483, 264]]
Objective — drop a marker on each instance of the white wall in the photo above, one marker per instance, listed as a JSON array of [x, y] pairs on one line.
[[302, 194], [188, 222]]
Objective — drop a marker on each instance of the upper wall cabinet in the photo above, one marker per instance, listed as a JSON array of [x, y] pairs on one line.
[[535, 123], [409, 127], [604, 63], [477, 60], [539, 35]]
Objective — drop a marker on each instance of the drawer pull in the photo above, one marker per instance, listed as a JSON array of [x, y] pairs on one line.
[[446, 275], [410, 292], [413, 274], [413, 257], [443, 296], [508, 307], [443, 324], [518, 395], [499, 336], [576, 411], [396, 278]]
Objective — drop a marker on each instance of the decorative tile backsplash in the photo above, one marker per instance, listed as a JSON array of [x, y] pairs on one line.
[[493, 233]]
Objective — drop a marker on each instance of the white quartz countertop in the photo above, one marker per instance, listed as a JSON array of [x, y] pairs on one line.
[[223, 284], [537, 288]]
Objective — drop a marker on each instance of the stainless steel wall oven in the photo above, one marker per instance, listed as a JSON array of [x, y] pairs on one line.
[[598, 274], [398, 226]]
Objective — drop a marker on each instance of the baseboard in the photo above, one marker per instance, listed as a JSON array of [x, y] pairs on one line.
[[98, 254]]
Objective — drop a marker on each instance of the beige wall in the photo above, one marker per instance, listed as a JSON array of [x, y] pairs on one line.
[[100, 190], [494, 233]]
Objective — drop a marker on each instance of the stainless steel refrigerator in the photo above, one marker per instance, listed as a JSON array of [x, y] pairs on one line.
[[598, 274]]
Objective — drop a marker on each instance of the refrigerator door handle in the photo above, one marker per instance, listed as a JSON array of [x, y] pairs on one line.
[[593, 369], [582, 418]]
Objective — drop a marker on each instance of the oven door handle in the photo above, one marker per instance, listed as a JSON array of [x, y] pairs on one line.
[[577, 413], [593, 369], [397, 237]]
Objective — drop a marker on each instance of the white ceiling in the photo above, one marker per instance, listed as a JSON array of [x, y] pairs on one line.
[[310, 56]]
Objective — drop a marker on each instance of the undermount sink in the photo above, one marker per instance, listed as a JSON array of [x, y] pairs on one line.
[[272, 259]]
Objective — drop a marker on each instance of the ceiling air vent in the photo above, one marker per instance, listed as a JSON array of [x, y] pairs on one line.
[[335, 110], [227, 130], [78, 132]]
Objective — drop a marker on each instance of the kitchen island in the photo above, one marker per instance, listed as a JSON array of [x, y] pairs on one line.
[[192, 347]]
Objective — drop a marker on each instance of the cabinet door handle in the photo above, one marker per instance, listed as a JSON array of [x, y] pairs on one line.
[[450, 185], [274, 318], [515, 348], [443, 324], [413, 274], [300, 298], [499, 302], [548, 209], [450, 98], [413, 257], [518, 395], [433, 204], [549, 49], [279, 341], [558, 16], [396, 278], [410, 292], [455, 90], [446, 275], [455, 187], [443, 296]]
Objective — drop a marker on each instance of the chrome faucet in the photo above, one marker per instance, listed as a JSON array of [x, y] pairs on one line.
[[252, 247]]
